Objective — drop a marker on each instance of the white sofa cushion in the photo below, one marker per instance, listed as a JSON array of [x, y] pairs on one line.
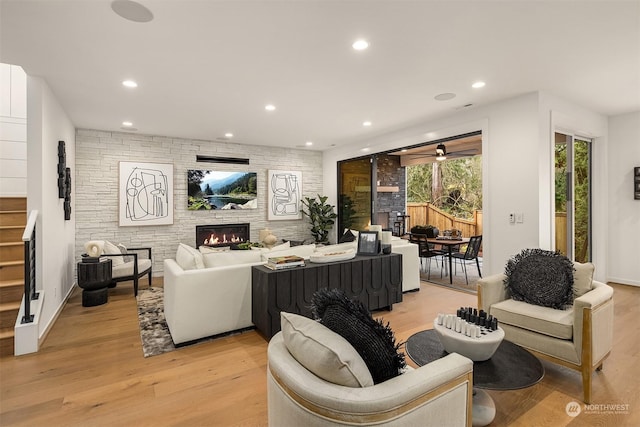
[[189, 258], [303, 251], [209, 250], [323, 352], [221, 259], [582, 278], [126, 269], [543, 320], [111, 249]]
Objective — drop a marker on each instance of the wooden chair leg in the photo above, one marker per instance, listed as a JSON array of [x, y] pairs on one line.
[[586, 383]]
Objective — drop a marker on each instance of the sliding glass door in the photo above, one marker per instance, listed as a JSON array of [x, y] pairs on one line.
[[573, 196]]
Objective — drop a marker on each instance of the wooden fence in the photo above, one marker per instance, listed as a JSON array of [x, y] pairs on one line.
[[428, 214]]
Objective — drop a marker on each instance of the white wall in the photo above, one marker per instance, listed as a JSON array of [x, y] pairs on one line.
[[48, 124], [624, 211], [97, 161], [516, 146], [13, 131]]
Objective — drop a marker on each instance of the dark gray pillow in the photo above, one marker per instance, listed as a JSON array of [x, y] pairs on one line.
[[373, 340], [540, 277]]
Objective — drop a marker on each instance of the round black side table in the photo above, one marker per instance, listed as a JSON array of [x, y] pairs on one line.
[[94, 277]]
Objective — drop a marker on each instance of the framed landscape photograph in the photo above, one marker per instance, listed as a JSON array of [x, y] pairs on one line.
[[208, 190], [145, 194], [368, 243]]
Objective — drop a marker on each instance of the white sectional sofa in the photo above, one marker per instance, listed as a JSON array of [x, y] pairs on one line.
[[207, 294]]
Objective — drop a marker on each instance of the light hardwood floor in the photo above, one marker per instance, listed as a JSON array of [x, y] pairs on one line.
[[91, 372]]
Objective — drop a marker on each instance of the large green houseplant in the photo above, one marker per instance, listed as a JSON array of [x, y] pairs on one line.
[[321, 215]]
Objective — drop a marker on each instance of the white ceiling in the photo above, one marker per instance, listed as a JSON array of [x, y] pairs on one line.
[[205, 68]]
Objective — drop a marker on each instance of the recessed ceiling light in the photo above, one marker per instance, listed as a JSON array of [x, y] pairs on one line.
[[360, 44], [478, 85], [129, 83], [365, 149], [444, 96], [367, 123], [404, 150], [270, 107], [308, 143], [131, 10], [228, 135], [127, 124]]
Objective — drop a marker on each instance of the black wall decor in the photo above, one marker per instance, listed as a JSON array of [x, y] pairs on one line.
[[64, 180], [636, 183], [67, 194], [62, 166]]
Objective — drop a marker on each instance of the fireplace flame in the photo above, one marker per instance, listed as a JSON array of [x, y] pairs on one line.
[[215, 240]]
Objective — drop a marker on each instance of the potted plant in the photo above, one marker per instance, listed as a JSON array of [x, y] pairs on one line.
[[321, 215]]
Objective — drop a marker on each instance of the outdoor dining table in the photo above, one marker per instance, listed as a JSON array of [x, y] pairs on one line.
[[449, 244]]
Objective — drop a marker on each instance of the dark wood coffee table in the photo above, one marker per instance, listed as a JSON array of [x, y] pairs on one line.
[[510, 368]]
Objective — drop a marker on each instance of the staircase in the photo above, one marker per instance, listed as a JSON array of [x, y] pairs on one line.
[[13, 218]]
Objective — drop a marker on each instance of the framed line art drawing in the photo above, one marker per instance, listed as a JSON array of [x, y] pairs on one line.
[[145, 194], [284, 189]]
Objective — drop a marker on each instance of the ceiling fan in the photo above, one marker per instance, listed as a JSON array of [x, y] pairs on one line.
[[442, 154]]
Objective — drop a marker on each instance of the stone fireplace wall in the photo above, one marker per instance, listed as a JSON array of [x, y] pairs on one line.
[[98, 154]]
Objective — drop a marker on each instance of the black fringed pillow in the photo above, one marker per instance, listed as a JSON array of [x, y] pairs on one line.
[[540, 277], [348, 236], [374, 341]]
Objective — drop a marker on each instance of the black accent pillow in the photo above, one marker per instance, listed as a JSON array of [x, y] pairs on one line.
[[540, 277], [348, 236], [373, 340]]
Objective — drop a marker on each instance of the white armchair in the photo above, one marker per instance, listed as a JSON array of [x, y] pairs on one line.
[[437, 394], [579, 337]]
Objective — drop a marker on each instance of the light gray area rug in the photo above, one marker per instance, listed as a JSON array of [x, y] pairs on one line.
[[154, 331]]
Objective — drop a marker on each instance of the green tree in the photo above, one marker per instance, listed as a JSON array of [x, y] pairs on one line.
[[454, 186]]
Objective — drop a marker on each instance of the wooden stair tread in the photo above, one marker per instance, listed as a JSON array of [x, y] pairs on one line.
[[10, 263], [6, 333], [11, 283], [10, 227], [13, 212], [8, 306], [7, 244]]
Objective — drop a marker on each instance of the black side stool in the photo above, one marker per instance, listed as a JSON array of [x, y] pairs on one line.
[[94, 277]]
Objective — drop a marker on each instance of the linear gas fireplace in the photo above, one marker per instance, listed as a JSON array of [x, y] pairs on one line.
[[221, 234]]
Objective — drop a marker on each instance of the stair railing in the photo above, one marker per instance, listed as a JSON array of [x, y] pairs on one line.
[[29, 239]]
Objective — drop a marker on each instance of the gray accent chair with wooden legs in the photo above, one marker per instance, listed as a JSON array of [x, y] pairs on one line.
[[579, 337]]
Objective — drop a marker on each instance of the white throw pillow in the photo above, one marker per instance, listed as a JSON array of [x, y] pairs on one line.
[[221, 259], [281, 246], [582, 278], [111, 249], [323, 352], [189, 258]]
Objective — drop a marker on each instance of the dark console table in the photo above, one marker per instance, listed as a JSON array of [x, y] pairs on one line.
[[374, 280]]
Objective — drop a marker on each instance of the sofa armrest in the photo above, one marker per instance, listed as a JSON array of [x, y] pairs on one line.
[[491, 290]]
